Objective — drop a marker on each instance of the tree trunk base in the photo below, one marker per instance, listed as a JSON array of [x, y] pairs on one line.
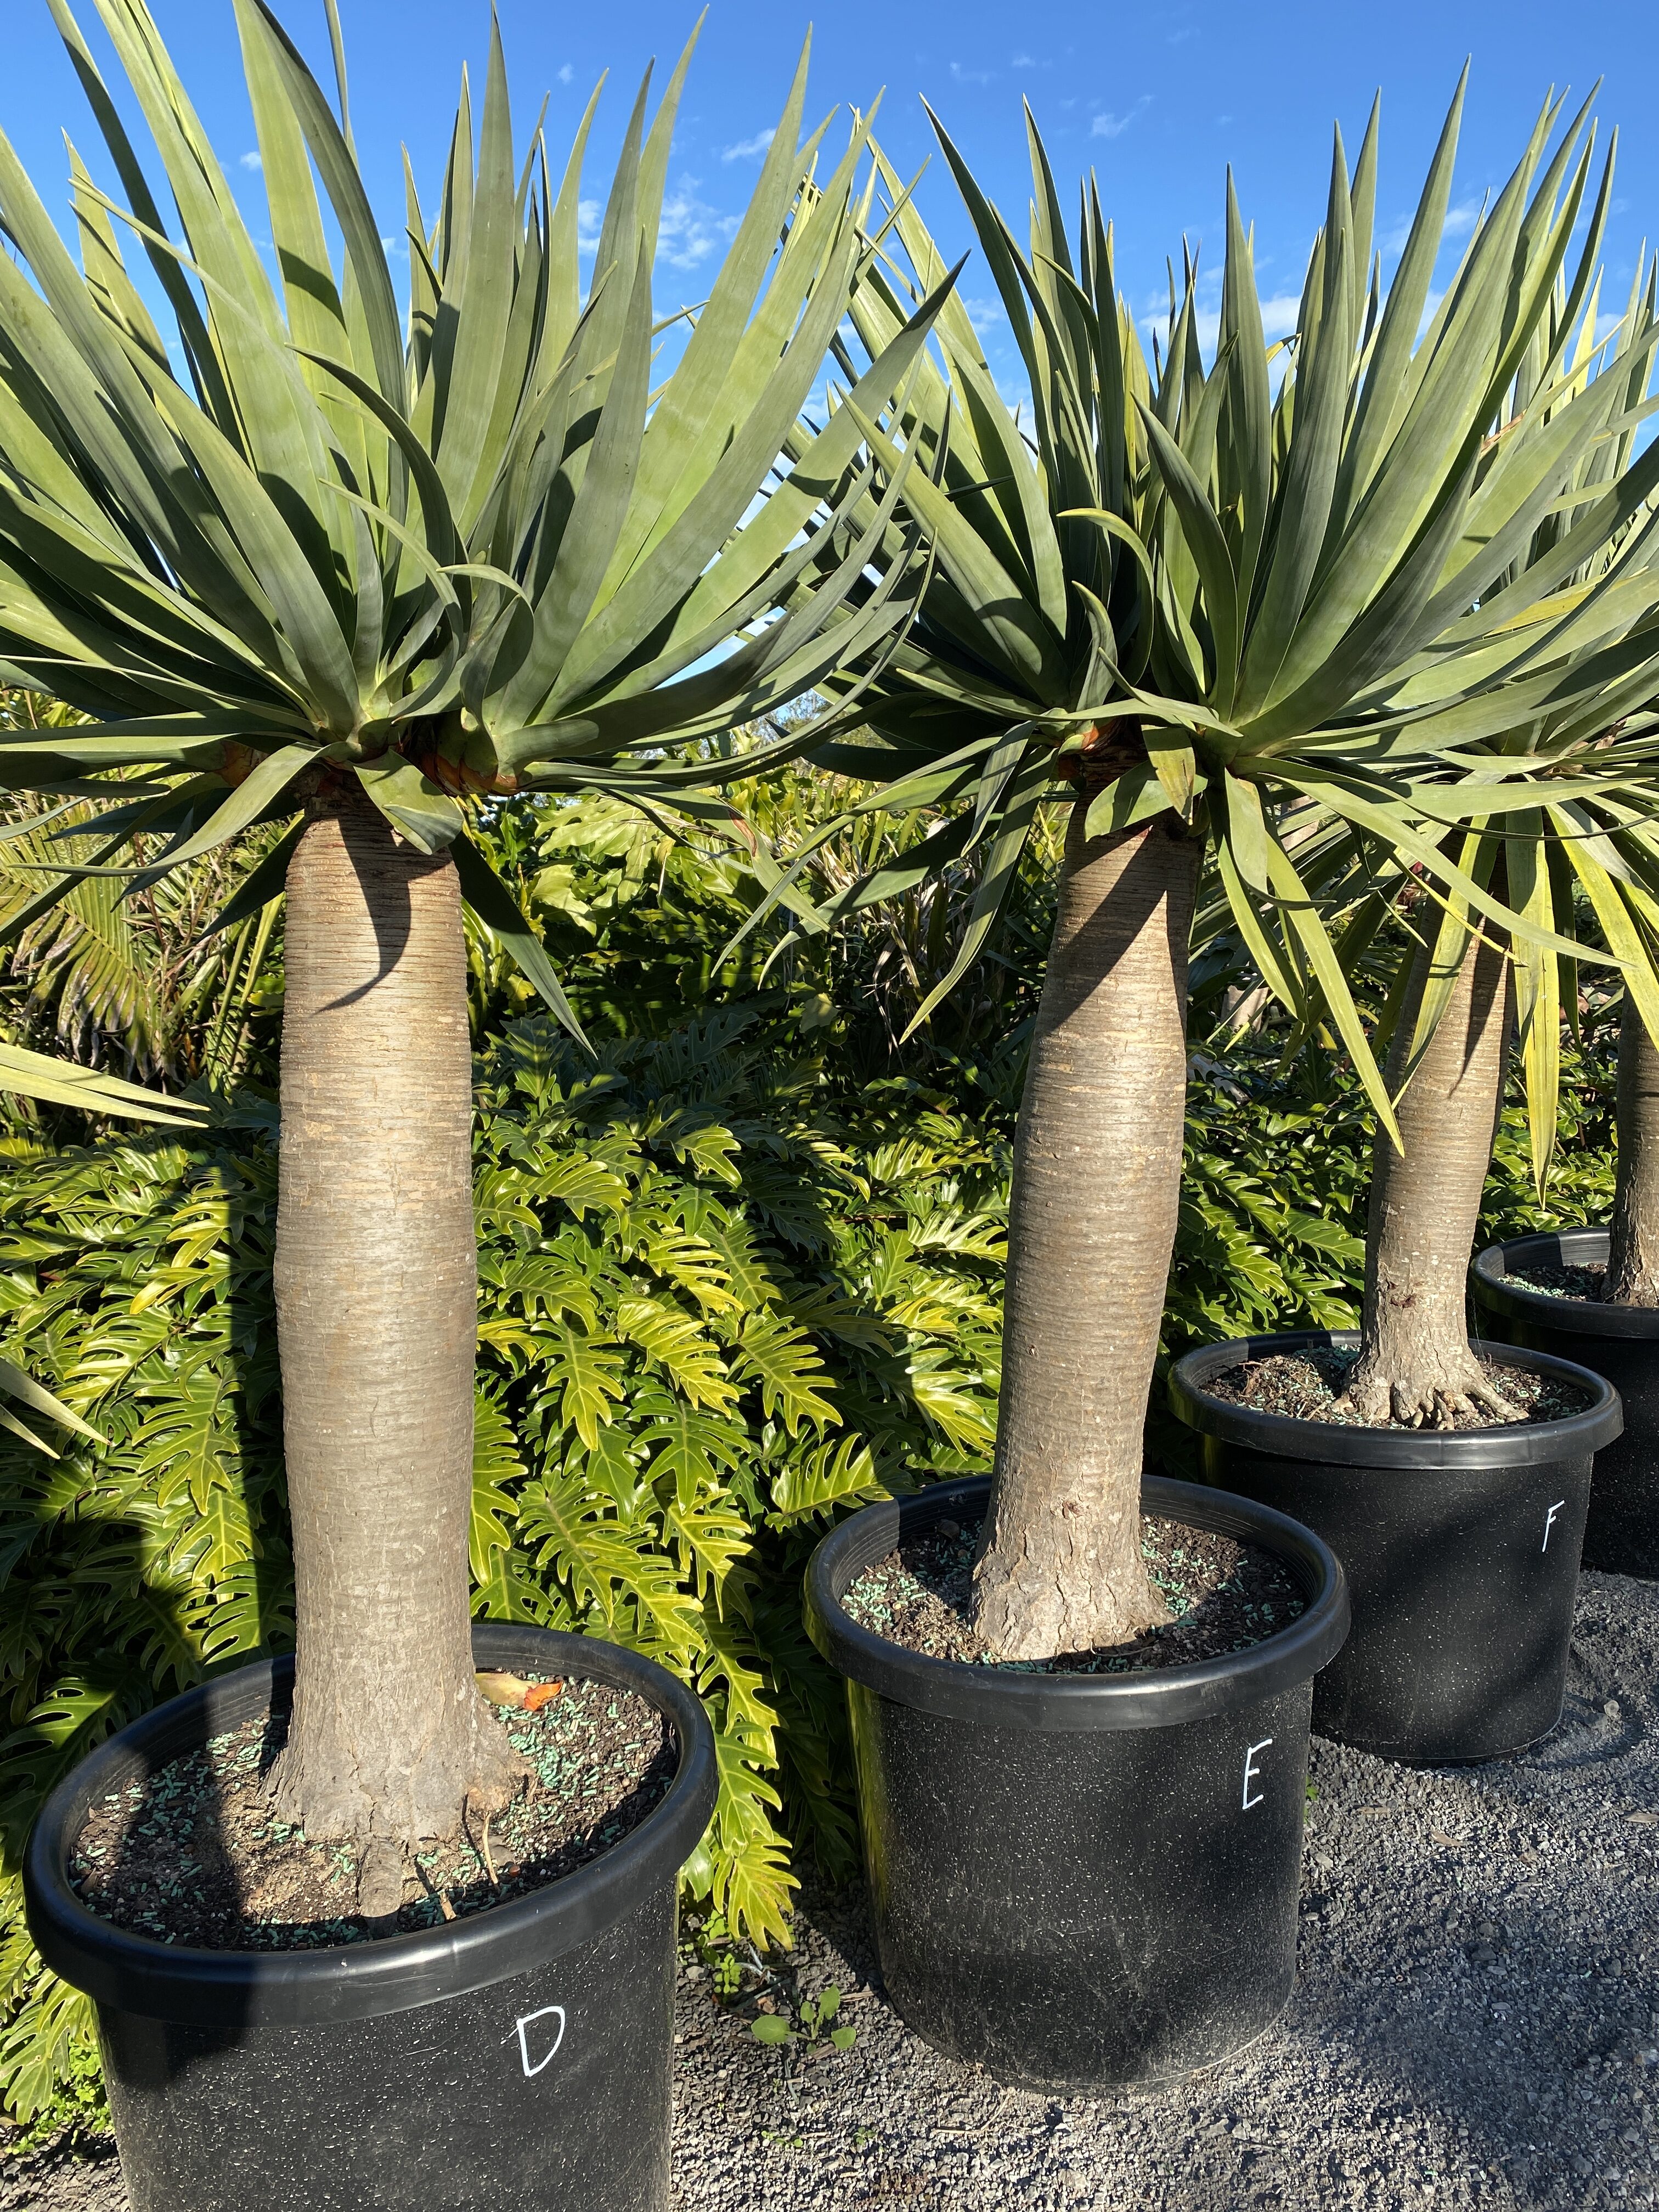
[[1063, 1584], [1633, 1290], [415, 1791], [1426, 1386], [1415, 1365]]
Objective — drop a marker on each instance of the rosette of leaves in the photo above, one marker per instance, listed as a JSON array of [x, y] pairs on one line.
[[482, 545], [340, 573], [1187, 600]]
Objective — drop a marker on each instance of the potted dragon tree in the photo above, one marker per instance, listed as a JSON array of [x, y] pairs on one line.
[[394, 1921], [1453, 1478], [1183, 598]]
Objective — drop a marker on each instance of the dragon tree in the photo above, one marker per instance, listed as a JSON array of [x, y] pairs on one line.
[[309, 562], [1184, 596]]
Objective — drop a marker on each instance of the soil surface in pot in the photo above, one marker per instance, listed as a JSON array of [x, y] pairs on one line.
[[1586, 1284], [194, 1854], [1225, 1596], [1307, 1386]]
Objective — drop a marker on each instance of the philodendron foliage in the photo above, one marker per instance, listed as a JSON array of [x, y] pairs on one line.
[[471, 551], [1396, 576]]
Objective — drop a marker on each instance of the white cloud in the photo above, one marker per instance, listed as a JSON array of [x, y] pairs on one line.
[[251, 161], [566, 73], [960, 75], [1393, 240], [1460, 220], [1109, 125], [1279, 318], [982, 313], [1022, 61], [1013, 389], [750, 149], [690, 229], [1278, 314]]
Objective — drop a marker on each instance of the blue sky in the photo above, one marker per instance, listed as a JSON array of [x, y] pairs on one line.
[[1158, 100]]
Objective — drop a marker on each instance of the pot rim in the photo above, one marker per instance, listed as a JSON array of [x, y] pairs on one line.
[[1285, 1435], [1497, 1290], [394, 1973], [997, 1697]]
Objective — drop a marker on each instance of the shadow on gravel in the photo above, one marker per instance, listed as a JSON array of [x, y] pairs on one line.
[[60, 2181]]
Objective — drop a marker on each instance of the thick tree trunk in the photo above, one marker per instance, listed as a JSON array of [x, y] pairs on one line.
[[376, 1274], [1415, 1362], [1096, 1186], [1633, 1246]]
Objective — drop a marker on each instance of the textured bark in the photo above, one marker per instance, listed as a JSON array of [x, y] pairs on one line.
[[1414, 1361], [1096, 1185], [1634, 1245], [376, 1279]]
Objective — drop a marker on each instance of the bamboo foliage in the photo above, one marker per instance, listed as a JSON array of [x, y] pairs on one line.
[[1393, 590]]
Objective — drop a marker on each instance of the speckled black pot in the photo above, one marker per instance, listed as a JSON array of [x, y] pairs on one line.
[[520, 2056], [1082, 1881], [1460, 1549], [1622, 1535]]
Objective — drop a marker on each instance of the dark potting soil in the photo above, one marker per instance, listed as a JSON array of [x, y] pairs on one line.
[[193, 1854], [1585, 1283], [1225, 1596], [1307, 1386]]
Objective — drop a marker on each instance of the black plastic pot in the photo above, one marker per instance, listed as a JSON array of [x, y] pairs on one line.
[[519, 2057], [1460, 1549], [1622, 1535], [1082, 1881]]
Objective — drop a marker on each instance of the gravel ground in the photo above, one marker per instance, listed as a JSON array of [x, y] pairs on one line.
[[1476, 2023]]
